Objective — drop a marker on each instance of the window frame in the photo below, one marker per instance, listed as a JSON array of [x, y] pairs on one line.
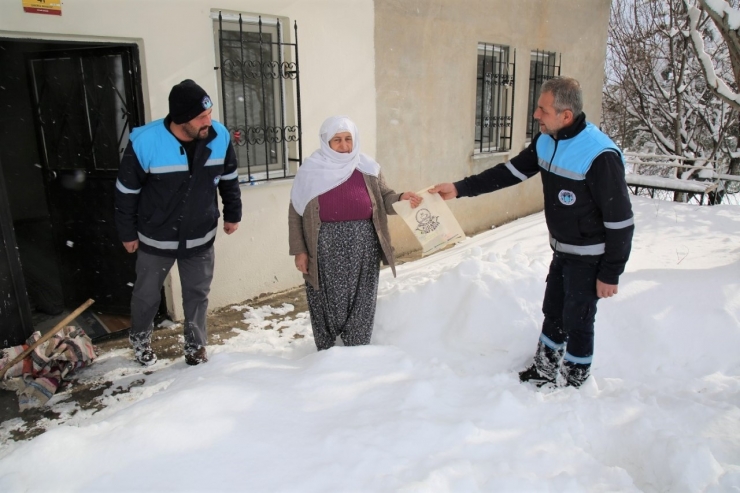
[[282, 68], [497, 87], [536, 79]]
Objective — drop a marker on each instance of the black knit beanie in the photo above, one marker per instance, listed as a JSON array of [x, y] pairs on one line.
[[187, 100]]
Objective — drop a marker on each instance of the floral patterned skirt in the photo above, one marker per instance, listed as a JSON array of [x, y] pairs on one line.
[[349, 266]]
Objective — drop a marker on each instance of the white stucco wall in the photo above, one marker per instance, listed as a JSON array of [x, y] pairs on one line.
[[176, 42]]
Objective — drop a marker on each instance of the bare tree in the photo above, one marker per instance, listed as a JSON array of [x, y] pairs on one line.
[[656, 96], [724, 29]]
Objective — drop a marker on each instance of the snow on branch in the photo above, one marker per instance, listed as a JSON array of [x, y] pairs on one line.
[[727, 21], [723, 10], [656, 96]]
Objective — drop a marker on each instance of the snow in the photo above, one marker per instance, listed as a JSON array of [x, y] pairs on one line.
[[722, 8], [434, 404], [713, 79]]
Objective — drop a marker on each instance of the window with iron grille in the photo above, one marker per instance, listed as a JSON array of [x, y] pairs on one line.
[[494, 99], [259, 83], [543, 65]]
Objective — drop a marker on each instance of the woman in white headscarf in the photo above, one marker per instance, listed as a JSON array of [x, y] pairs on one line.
[[339, 234]]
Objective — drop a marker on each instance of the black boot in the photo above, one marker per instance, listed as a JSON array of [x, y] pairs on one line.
[[575, 374], [533, 376]]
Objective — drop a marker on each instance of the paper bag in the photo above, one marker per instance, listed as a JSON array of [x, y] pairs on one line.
[[432, 222]]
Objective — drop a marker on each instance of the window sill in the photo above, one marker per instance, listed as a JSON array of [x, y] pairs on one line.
[[481, 161], [489, 155], [245, 182]]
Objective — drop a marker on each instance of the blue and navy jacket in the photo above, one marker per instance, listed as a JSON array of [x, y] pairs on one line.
[[172, 211], [587, 205]]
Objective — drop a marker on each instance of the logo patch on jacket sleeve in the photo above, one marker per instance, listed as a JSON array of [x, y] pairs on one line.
[[216, 180], [566, 197]]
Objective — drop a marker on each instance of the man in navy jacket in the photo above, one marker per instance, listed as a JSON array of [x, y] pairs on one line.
[[166, 211], [588, 215]]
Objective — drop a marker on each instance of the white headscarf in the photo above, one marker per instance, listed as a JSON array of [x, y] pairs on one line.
[[326, 169]]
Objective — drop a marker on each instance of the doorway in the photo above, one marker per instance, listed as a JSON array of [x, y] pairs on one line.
[[68, 109]]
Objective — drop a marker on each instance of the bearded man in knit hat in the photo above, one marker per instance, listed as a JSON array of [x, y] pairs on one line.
[[166, 211]]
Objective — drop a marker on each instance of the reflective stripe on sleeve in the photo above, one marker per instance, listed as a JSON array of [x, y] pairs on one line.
[[621, 224], [122, 188], [515, 171]]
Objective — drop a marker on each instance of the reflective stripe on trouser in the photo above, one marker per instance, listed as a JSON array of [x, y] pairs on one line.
[[547, 358], [196, 274], [570, 311]]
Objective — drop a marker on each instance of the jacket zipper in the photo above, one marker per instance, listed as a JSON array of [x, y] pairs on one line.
[[549, 165]]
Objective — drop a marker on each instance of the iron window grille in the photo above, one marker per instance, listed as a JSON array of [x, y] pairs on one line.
[[543, 65], [494, 98], [259, 79]]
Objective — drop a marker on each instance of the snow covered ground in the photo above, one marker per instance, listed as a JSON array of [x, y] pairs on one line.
[[434, 404]]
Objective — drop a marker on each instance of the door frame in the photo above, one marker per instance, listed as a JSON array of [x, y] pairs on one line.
[[19, 292], [18, 282], [134, 107]]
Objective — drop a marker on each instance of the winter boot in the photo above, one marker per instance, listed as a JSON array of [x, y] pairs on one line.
[[533, 376], [575, 374], [144, 355], [548, 360], [197, 356]]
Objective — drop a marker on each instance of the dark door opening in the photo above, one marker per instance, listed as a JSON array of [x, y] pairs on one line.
[[68, 111]]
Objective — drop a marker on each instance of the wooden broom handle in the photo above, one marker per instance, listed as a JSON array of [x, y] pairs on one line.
[[46, 336]]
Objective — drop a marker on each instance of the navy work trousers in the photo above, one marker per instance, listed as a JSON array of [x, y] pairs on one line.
[[570, 310]]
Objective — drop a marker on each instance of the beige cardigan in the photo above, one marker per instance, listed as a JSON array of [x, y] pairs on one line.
[[303, 232]]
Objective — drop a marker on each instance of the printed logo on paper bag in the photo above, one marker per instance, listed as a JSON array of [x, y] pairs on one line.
[[426, 222]]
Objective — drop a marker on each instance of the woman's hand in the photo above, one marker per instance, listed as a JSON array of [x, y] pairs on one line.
[[301, 262], [413, 198]]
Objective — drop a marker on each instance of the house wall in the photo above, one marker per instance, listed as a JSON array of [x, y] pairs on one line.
[[425, 66], [403, 70], [176, 42]]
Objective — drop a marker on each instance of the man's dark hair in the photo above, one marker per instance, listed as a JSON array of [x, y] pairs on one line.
[[567, 93]]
